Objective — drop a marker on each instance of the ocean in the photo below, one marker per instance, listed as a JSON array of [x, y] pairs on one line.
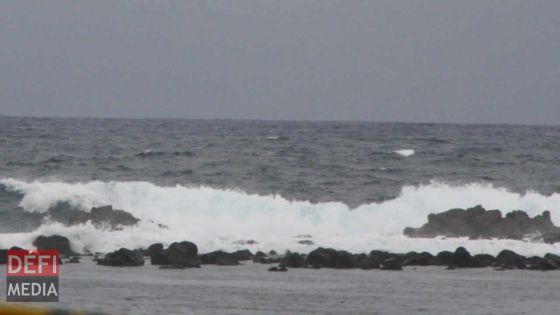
[[221, 183]]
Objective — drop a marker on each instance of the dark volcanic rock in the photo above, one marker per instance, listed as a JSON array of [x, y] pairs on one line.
[[485, 260], [550, 238], [329, 258], [56, 242], [104, 217], [263, 258], [122, 258], [3, 256], [420, 259], [373, 260], [154, 249], [391, 264], [461, 258], [181, 254], [508, 259], [445, 257], [243, 255], [293, 260], [74, 260], [477, 222], [219, 258]]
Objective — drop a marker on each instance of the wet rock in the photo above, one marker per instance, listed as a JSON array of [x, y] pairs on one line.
[[485, 260], [104, 217], [122, 258], [461, 258], [391, 264], [220, 258], [263, 258], [243, 255], [477, 222], [293, 260], [445, 257], [184, 254], [54, 242], [508, 259], [154, 249], [3, 256], [329, 258], [420, 259], [278, 269], [74, 260]]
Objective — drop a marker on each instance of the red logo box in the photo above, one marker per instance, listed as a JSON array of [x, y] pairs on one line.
[[34, 263]]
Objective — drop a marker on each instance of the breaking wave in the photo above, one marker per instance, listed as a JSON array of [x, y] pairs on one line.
[[222, 219]]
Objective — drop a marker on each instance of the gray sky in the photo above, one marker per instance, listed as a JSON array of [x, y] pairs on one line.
[[426, 61]]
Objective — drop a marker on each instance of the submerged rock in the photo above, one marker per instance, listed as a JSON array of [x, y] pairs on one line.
[[122, 258], [478, 222], [55, 242]]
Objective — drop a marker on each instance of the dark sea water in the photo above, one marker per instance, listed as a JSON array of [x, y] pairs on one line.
[[353, 185], [220, 183], [352, 162]]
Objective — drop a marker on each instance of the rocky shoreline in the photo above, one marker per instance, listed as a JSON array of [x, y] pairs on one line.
[[184, 254], [475, 223]]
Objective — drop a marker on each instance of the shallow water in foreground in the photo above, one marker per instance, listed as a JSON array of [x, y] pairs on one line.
[[250, 289]]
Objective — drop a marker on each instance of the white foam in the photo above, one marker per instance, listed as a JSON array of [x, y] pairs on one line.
[[215, 219], [405, 152]]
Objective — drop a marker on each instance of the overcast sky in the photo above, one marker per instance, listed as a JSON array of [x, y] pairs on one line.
[[422, 61]]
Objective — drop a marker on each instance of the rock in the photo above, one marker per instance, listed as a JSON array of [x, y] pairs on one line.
[[445, 257], [485, 260], [508, 259], [104, 217], [179, 254], [243, 255], [263, 258], [220, 258], [391, 264], [54, 242], [550, 238], [293, 260], [462, 259], [542, 264], [3, 256], [306, 242], [276, 269], [329, 258], [74, 260], [123, 258], [154, 249], [477, 222], [420, 259], [373, 260]]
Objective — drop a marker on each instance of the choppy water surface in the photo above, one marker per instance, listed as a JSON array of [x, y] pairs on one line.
[[352, 185]]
